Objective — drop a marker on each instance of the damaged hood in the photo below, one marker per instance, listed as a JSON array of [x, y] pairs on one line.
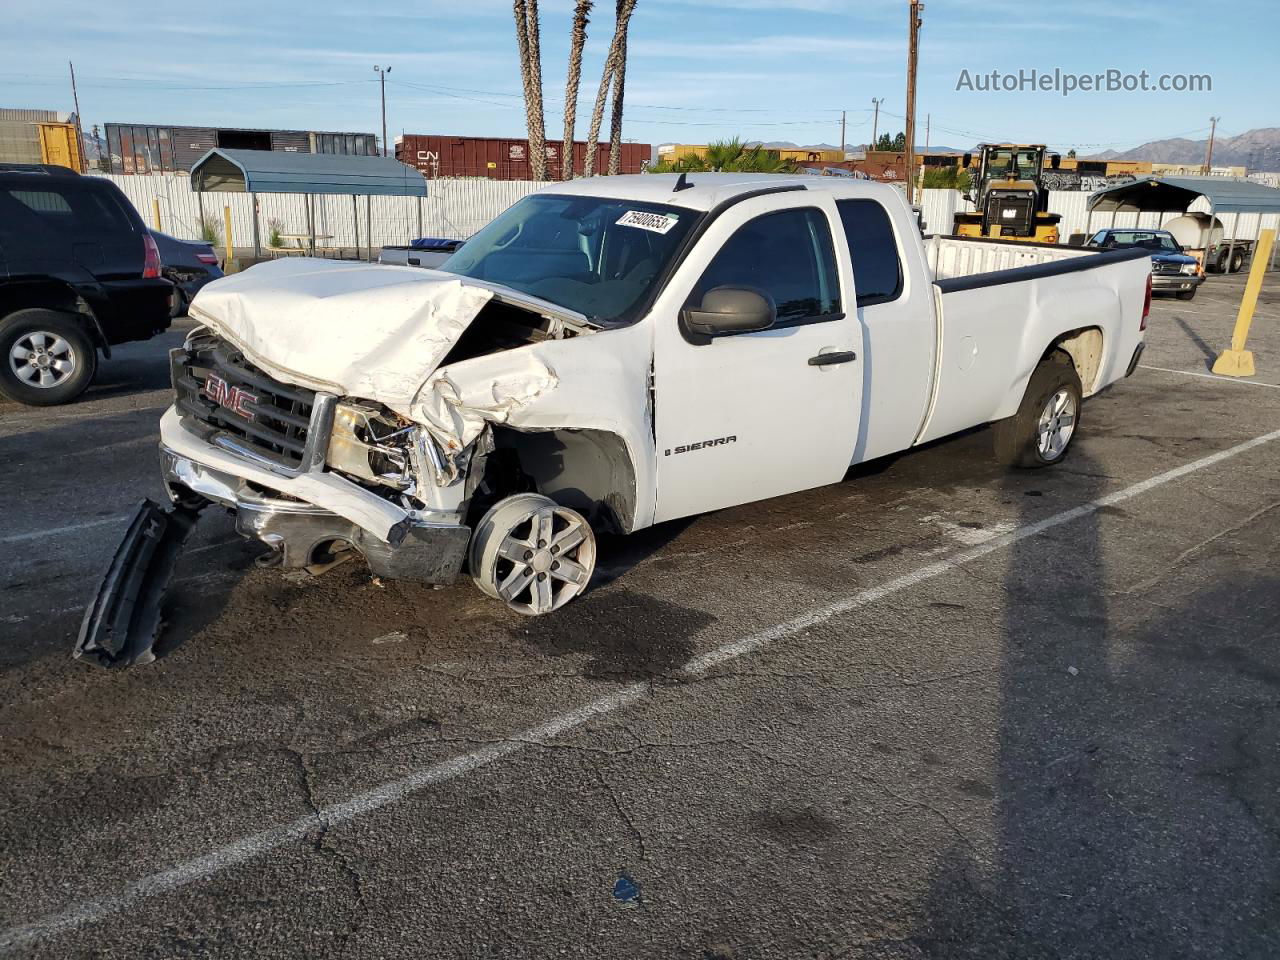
[[365, 330]]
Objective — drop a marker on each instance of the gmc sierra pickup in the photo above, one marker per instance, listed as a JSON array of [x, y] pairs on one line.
[[609, 353]]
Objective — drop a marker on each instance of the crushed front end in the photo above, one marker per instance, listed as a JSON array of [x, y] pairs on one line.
[[310, 474], [304, 469]]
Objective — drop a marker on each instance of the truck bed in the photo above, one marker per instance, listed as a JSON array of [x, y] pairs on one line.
[[1000, 304], [952, 257]]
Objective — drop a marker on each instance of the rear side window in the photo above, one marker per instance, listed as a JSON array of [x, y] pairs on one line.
[[75, 212], [877, 271], [788, 255]]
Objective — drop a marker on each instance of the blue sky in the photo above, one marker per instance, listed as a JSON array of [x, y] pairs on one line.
[[699, 69]]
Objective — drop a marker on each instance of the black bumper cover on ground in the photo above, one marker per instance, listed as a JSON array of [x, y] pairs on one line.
[[122, 623]]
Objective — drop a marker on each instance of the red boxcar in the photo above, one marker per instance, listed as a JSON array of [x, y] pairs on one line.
[[497, 159]]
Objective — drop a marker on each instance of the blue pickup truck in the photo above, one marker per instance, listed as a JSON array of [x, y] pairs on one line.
[[1172, 271]]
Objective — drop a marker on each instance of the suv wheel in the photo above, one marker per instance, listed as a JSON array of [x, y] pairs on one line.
[[45, 358]]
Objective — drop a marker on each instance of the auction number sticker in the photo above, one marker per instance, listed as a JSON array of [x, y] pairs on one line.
[[655, 222]]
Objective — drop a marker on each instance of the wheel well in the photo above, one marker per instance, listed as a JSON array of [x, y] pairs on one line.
[[1084, 347], [587, 470], [51, 295]]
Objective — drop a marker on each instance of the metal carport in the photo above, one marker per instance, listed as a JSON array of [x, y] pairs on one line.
[[274, 171], [1161, 194]]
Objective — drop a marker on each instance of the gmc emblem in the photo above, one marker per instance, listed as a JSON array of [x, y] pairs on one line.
[[232, 398]]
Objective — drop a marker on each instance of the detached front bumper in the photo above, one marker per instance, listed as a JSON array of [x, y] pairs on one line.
[[283, 512]]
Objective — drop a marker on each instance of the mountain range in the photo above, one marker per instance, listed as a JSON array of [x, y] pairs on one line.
[[1256, 149]]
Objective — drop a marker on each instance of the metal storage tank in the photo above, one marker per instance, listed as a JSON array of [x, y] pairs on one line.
[[495, 158]]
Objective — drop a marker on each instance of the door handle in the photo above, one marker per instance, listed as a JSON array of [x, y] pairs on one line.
[[836, 356]]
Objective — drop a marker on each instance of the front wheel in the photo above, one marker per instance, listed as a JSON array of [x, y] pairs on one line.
[[532, 554], [46, 358], [1040, 433]]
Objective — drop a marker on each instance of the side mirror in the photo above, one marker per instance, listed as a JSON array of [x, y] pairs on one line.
[[968, 160], [1055, 161], [967, 196], [727, 310]]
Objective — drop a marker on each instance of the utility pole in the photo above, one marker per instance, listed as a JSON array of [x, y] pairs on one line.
[[875, 122], [841, 134], [75, 98], [913, 51], [382, 76], [1208, 155], [928, 123]]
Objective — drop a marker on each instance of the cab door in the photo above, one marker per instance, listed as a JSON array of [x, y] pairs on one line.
[[748, 416]]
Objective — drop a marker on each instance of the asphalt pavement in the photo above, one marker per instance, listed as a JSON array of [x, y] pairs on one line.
[[940, 709]]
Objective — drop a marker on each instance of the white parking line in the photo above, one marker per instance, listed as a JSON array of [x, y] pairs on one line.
[[248, 848], [1212, 376], [55, 531]]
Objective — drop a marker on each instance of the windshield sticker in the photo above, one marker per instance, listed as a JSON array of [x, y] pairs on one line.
[[655, 222]]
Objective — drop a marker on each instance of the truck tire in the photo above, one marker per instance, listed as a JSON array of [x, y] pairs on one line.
[[46, 357], [532, 554], [1237, 261], [1220, 266], [1040, 433]]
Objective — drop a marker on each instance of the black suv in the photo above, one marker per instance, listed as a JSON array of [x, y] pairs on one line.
[[78, 273]]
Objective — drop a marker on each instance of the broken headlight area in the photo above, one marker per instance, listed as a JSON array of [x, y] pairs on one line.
[[383, 450]]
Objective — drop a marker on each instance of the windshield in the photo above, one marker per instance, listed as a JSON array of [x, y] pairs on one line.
[[594, 255], [1023, 164], [1147, 239]]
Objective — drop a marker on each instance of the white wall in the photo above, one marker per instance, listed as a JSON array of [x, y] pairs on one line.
[[458, 208], [452, 208]]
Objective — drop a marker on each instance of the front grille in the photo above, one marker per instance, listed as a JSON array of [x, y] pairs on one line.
[[226, 399], [1166, 268]]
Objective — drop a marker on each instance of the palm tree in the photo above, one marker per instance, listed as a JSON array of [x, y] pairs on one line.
[[625, 9], [577, 40], [617, 50], [529, 46]]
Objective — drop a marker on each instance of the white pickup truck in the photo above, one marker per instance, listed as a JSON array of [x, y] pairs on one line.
[[608, 353]]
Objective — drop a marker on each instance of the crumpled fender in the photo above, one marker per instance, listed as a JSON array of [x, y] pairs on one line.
[[456, 402], [596, 382]]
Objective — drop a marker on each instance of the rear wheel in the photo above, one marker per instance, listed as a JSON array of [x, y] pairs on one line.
[[1237, 261], [1040, 433], [46, 358]]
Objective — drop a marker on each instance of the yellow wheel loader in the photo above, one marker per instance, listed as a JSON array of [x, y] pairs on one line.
[[1011, 200]]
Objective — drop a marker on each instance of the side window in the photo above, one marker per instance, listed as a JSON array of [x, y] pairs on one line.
[[76, 213], [877, 271], [1098, 239], [788, 255]]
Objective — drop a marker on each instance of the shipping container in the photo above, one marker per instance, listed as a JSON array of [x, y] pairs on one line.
[[24, 138], [494, 158], [148, 148], [59, 144]]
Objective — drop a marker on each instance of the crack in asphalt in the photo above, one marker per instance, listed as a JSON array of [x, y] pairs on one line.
[[1186, 554], [323, 844], [622, 812]]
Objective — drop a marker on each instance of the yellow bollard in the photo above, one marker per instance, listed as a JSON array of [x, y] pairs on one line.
[[226, 224], [1238, 362], [155, 212]]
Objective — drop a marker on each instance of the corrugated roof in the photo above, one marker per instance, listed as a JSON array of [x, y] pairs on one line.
[[1178, 193], [274, 171]]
